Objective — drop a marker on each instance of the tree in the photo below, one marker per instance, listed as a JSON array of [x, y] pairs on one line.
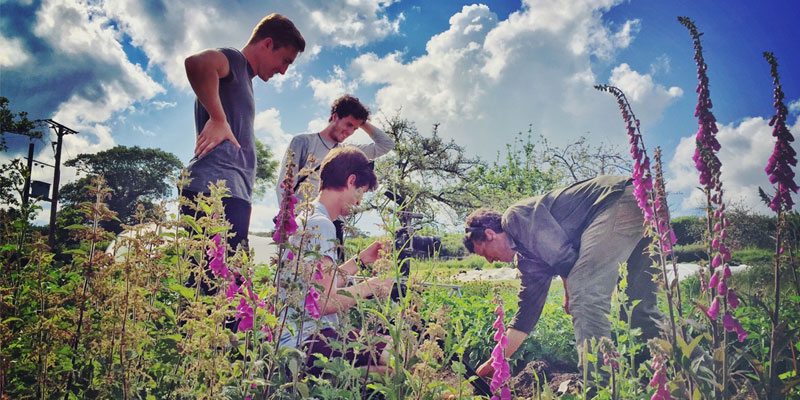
[[578, 161], [15, 123], [267, 168], [427, 171], [520, 174], [135, 176]]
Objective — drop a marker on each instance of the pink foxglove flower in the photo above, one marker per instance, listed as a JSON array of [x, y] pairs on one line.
[[740, 332], [311, 302], [318, 271], [268, 332], [713, 310], [727, 322], [216, 253], [233, 290], [245, 314], [285, 224], [733, 301], [784, 157], [714, 281], [502, 371], [722, 288]]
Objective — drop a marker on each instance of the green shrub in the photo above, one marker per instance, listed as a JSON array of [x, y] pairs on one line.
[[690, 253], [688, 230]]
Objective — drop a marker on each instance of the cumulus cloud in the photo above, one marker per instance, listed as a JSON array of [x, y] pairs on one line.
[[648, 98], [143, 131], [14, 53], [159, 27], [160, 105], [745, 148], [517, 65], [268, 129], [292, 79], [325, 92], [794, 107]]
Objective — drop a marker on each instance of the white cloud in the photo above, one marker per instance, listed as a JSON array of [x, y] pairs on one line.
[[794, 107], [660, 65], [325, 92], [268, 127], [143, 131], [745, 150], [648, 99], [161, 30], [317, 124], [262, 215], [160, 105], [14, 53], [518, 65], [293, 78]]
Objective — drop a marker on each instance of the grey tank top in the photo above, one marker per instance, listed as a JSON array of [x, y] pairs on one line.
[[236, 166]]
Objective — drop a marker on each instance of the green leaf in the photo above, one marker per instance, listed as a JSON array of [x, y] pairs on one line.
[[190, 220], [303, 389], [187, 293], [77, 227]]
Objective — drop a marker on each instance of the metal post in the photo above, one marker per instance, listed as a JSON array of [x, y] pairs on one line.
[[60, 130], [27, 188]]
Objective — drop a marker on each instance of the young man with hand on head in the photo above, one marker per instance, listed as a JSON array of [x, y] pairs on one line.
[[345, 175], [347, 115], [581, 233], [225, 112]]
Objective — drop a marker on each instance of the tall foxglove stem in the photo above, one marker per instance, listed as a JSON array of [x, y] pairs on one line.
[[653, 206], [779, 170]]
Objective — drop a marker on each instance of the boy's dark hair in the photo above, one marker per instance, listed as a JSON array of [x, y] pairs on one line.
[[477, 223], [281, 30], [344, 161], [349, 106]]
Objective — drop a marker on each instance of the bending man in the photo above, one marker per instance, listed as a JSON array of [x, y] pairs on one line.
[[581, 233]]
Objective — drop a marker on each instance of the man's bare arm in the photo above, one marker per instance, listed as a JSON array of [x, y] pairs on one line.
[[204, 71]]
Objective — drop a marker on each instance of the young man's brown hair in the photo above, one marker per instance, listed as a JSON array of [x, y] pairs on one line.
[[344, 161], [477, 223], [349, 106], [281, 30]]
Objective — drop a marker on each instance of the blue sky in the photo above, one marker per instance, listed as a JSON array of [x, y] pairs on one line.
[[113, 70]]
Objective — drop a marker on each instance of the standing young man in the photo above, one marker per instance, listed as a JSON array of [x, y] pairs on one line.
[[225, 113], [582, 233]]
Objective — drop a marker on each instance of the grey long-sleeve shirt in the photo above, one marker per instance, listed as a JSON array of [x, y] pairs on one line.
[[546, 230], [313, 144]]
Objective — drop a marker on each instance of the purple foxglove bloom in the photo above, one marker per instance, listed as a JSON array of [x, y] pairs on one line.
[[318, 272], [311, 302], [727, 322], [733, 301], [714, 281], [268, 332], [715, 243], [713, 310], [499, 311], [740, 332], [290, 255], [245, 314], [233, 290], [498, 323], [505, 393], [726, 272], [722, 288], [717, 261]]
